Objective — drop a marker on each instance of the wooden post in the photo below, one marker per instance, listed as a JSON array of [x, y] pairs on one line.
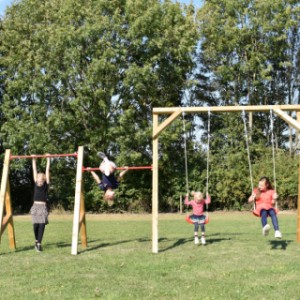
[[298, 205], [5, 201], [155, 187], [10, 222], [82, 223], [4, 181], [78, 190]]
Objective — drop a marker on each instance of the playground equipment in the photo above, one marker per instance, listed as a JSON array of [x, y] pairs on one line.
[[255, 212], [79, 222], [175, 112], [188, 217]]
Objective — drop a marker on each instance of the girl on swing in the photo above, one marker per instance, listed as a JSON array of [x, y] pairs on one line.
[[265, 197], [198, 217]]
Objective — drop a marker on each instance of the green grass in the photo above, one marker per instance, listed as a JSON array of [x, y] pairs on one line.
[[237, 262]]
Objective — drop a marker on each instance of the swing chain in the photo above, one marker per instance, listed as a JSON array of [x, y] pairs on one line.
[[185, 154], [248, 148]]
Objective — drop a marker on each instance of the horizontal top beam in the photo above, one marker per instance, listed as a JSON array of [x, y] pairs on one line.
[[43, 155], [237, 108]]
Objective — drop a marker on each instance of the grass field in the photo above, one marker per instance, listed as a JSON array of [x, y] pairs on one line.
[[237, 262]]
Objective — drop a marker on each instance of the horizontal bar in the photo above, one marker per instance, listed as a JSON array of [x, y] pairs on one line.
[[121, 168], [236, 108], [43, 155]]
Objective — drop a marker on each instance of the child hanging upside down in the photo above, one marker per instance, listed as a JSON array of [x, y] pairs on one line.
[[198, 217], [108, 180], [265, 198]]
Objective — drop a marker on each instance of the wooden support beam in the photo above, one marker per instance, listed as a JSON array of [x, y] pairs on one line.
[[4, 182], [4, 223], [283, 115], [237, 108], [82, 221], [165, 123], [5, 202], [155, 186], [78, 191], [10, 222], [298, 206]]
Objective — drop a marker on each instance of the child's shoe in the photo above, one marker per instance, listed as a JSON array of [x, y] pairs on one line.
[[203, 241], [266, 229], [101, 155], [196, 241], [38, 247], [278, 234]]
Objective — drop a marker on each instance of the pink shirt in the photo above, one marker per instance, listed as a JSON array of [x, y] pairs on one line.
[[197, 207], [265, 200]]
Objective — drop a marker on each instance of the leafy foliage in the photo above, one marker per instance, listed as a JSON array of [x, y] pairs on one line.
[[90, 72]]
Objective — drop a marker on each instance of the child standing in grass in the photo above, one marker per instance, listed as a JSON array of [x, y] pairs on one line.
[[39, 211], [108, 181], [198, 217], [265, 197]]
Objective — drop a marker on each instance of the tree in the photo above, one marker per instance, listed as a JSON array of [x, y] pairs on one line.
[[247, 50], [89, 73]]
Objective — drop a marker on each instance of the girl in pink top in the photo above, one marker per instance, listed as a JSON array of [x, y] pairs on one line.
[[265, 197], [198, 217]]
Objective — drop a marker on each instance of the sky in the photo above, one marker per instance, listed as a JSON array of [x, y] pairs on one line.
[[5, 3]]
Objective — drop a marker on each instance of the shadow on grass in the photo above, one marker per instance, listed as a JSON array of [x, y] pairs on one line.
[[279, 245], [103, 245], [182, 241]]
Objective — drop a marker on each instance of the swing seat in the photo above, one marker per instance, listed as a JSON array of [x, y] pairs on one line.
[[256, 212], [189, 220]]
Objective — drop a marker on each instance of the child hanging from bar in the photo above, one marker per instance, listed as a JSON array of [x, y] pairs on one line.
[[108, 181], [198, 217], [39, 210]]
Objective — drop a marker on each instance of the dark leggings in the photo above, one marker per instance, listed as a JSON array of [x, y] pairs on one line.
[[39, 232], [196, 227], [264, 213]]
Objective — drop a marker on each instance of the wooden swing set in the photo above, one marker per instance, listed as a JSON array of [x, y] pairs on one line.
[[174, 112]]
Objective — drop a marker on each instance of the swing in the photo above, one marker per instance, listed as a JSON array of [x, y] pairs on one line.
[[189, 218], [255, 211]]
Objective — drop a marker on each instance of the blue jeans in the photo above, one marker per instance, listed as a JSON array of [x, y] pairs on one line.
[[264, 213]]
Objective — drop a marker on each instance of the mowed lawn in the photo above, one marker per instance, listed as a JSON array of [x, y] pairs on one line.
[[237, 262]]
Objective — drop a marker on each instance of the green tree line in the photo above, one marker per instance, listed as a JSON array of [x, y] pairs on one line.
[[90, 72]]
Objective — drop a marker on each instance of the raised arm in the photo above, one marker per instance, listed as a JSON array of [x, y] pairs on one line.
[[252, 197], [122, 173], [186, 200], [48, 170], [208, 199], [34, 171], [274, 197], [95, 176]]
